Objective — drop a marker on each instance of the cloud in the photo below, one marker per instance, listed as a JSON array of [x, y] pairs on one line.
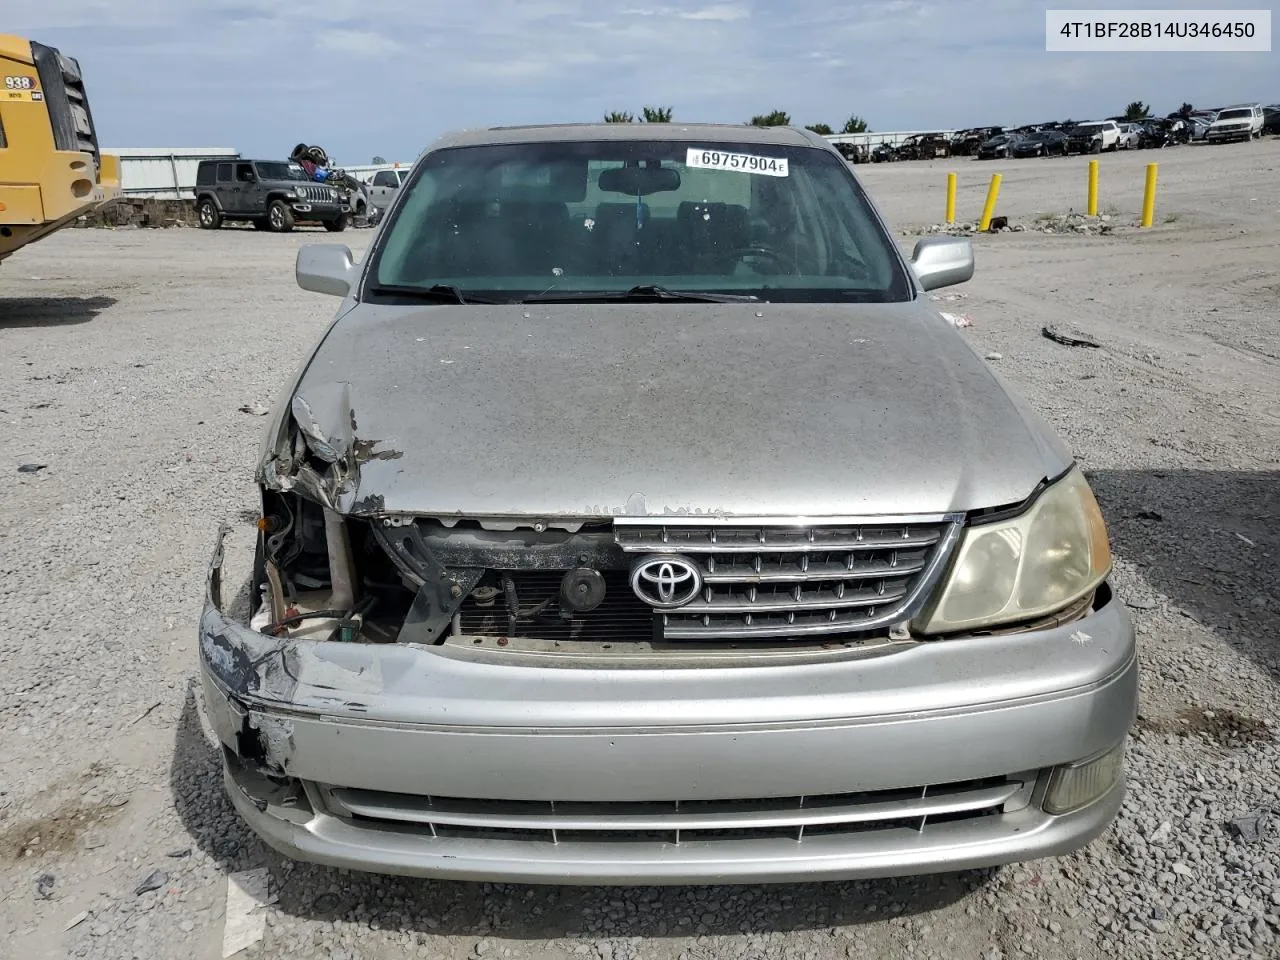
[[356, 43], [340, 73], [723, 12]]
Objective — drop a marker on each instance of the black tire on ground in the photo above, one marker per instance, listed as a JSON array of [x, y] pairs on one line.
[[1096, 148], [207, 214], [259, 224], [337, 226], [279, 217]]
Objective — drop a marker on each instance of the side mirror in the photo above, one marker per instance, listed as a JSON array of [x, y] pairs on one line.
[[325, 268], [942, 261]]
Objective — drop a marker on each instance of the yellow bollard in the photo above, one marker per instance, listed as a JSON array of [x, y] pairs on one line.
[[993, 191], [951, 198], [1149, 197], [1093, 188]]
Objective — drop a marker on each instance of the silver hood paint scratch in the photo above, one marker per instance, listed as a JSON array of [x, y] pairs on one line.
[[591, 410]]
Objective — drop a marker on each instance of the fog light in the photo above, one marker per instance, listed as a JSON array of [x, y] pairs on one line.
[[1076, 785]]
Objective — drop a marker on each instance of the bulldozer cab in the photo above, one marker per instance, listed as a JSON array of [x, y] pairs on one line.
[[52, 169]]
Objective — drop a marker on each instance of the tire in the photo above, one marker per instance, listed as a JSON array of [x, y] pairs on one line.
[[337, 226], [1096, 148], [207, 214], [259, 224], [279, 217]]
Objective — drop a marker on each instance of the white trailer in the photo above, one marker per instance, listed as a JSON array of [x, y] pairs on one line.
[[165, 173]]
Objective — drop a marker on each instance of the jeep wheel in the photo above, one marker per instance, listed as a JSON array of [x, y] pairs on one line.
[[279, 217], [259, 224], [337, 226], [207, 214]]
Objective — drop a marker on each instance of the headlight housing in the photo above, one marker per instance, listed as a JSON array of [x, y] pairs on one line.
[[299, 192], [1033, 565]]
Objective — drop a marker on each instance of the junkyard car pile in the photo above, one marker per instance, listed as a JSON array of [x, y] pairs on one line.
[[1056, 139], [542, 594]]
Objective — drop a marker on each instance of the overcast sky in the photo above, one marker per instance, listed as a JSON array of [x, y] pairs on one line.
[[384, 77]]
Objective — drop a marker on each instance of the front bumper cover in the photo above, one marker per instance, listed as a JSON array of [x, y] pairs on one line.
[[299, 716]]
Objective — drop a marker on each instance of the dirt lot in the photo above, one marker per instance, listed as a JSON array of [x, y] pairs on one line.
[[125, 357]]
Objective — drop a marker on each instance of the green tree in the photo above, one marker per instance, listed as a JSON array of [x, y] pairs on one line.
[[656, 114], [1185, 110], [618, 116], [821, 129], [855, 124], [1137, 110], [776, 118]]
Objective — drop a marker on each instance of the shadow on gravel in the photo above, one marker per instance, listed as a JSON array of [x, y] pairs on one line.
[[50, 311], [1209, 541]]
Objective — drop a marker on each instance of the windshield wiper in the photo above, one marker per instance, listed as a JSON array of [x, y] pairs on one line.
[[437, 293], [644, 293]]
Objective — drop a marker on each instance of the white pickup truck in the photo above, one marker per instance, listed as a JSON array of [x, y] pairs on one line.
[[383, 185], [1094, 136]]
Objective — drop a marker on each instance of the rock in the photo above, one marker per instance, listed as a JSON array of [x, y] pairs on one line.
[[152, 881]]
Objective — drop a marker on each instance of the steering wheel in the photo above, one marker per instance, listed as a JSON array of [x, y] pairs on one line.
[[761, 252]]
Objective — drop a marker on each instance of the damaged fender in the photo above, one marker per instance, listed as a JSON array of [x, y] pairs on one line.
[[246, 669], [317, 452]]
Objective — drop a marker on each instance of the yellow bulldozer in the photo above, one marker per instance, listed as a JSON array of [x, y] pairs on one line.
[[51, 169]]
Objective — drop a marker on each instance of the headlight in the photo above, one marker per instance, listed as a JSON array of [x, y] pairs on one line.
[[333, 194], [299, 192], [1031, 566]]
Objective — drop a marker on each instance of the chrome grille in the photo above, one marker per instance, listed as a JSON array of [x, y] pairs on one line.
[[912, 808], [317, 193], [780, 580]]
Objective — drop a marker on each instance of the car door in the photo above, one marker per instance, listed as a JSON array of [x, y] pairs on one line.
[[234, 195], [383, 188], [225, 185], [253, 193]]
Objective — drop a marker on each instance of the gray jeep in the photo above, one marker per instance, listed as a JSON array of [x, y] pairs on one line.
[[271, 194]]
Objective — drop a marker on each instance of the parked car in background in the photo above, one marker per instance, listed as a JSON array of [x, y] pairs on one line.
[[883, 153], [476, 651], [271, 194], [1271, 119], [1199, 127], [1155, 133], [1042, 143], [853, 152], [1130, 135], [924, 146], [1001, 145], [384, 184], [1242, 121], [1094, 136], [966, 142]]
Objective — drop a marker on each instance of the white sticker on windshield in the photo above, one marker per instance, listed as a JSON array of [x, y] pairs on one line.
[[742, 162]]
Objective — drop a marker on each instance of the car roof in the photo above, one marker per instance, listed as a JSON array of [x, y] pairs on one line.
[[570, 132]]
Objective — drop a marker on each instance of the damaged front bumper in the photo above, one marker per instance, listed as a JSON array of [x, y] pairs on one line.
[[420, 760]]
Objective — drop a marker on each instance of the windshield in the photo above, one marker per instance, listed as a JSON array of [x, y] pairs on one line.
[[1088, 127], [281, 171], [1235, 114], [512, 221]]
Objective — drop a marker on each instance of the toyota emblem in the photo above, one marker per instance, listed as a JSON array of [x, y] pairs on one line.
[[666, 582]]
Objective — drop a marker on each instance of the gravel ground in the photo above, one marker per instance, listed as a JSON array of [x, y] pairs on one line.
[[125, 357]]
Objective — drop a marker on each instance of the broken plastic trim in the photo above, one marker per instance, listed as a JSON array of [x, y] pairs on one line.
[[318, 454]]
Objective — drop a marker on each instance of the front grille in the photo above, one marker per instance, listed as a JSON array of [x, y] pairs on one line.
[[801, 581], [621, 618], [912, 809], [317, 193]]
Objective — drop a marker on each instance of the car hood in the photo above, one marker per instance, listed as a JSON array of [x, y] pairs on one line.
[[590, 410]]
